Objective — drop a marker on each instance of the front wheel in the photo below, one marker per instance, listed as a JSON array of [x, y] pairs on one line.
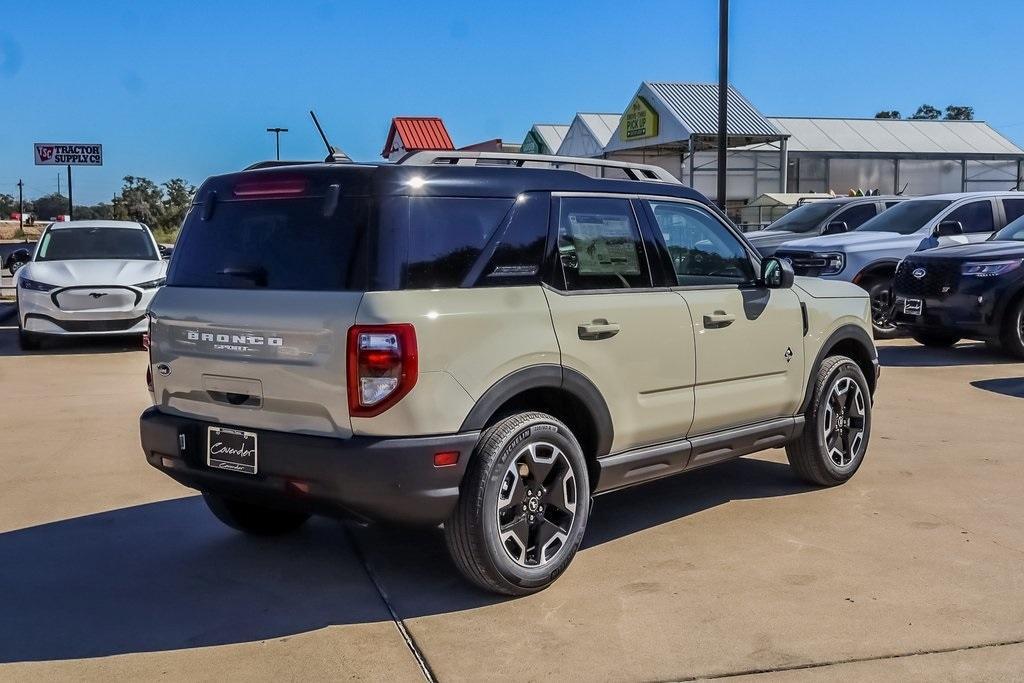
[[1012, 337], [935, 339], [253, 519], [523, 506], [838, 425], [880, 293]]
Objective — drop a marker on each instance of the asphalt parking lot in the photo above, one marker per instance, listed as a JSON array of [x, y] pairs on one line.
[[913, 570]]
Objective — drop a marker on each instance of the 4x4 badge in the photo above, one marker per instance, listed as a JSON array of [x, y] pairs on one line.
[[788, 354]]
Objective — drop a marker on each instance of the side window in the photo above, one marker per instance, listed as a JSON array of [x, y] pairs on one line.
[[599, 244], [855, 215], [1014, 209], [703, 251], [519, 252], [446, 236], [975, 217]]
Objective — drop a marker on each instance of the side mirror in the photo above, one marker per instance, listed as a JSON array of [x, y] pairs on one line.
[[835, 227], [777, 273], [17, 259], [948, 228], [165, 251]]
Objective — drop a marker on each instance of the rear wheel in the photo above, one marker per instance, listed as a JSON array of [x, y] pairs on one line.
[[523, 506], [880, 291], [1013, 330], [253, 519], [935, 339], [838, 425]]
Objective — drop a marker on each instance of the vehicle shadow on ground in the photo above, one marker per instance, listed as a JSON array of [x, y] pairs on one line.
[[1007, 386], [65, 347], [167, 575], [972, 353]]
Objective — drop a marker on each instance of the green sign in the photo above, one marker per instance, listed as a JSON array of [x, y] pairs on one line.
[[532, 145], [639, 121]]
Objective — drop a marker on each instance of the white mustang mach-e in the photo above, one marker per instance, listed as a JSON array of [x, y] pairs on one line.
[[88, 278]]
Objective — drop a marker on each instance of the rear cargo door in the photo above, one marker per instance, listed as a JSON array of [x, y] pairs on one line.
[[251, 328]]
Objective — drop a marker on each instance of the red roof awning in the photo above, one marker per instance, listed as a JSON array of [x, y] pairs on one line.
[[418, 133]]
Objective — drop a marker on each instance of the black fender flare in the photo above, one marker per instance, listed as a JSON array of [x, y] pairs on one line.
[[867, 270], [844, 333], [545, 376]]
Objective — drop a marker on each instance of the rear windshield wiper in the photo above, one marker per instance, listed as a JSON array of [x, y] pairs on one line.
[[257, 274]]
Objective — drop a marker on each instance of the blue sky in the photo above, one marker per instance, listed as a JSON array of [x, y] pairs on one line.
[[187, 89]]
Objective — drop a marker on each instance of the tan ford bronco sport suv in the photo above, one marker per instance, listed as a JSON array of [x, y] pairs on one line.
[[486, 342]]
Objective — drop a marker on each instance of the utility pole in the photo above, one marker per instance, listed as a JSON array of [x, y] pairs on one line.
[[21, 207], [277, 139], [723, 93], [71, 200]]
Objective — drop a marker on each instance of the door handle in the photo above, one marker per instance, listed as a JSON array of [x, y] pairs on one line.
[[597, 329], [718, 319]]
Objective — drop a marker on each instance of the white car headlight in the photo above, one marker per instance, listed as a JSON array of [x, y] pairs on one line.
[[35, 286], [152, 284], [989, 268]]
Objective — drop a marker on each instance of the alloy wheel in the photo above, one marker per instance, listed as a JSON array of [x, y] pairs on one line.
[[845, 412], [536, 504]]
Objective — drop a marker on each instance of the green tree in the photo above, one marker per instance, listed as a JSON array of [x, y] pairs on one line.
[[888, 114], [926, 111], [94, 212], [959, 113], [49, 206], [178, 197], [140, 200], [8, 205]]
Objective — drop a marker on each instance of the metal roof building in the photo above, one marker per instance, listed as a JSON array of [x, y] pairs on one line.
[[588, 134], [544, 138]]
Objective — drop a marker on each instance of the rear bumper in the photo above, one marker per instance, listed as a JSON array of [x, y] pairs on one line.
[[389, 479]]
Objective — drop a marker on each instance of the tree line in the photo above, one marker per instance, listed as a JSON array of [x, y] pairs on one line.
[[954, 112], [161, 207]]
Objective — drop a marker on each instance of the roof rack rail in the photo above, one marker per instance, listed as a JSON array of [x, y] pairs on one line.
[[458, 158]]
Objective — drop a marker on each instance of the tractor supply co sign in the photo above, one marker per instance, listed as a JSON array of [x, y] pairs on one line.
[[65, 154]]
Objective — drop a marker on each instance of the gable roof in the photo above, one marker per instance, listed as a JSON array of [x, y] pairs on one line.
[[548, 135], [696, 107], [894, 136], [603, 126], [418, 133]]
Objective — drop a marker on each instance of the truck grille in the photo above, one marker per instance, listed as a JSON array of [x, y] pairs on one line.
[[939, 279], [804, 262]]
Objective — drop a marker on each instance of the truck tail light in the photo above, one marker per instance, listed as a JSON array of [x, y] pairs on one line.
[[382, 367]]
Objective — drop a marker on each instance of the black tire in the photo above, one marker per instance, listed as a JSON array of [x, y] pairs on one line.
[[880, 292], [253, 519], [810, 456], [1012, 339], [935, 340], [29, 341], [472, 534]]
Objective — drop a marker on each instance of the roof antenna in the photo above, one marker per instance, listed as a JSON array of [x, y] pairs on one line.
[[334, 155]]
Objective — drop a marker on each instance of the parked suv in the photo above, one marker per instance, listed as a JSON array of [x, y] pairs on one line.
[[973, 291], [456, 340], [827, 216], [868, 255]]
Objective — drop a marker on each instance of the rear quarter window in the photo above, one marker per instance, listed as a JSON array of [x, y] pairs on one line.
[[446, 235]]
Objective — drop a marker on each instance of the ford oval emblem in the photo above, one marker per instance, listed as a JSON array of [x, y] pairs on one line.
[[919, 273]]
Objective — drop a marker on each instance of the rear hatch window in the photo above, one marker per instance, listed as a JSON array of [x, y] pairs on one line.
[[275, 243]]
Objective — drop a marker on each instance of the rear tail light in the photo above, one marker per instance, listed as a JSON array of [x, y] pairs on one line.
[[382, 367]]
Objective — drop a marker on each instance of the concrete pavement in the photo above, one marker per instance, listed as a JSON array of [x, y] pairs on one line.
[[913, 570]]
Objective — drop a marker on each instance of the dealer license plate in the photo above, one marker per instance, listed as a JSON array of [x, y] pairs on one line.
[[912, 306], [231, 449]]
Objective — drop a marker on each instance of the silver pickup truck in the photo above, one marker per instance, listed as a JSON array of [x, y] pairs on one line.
[[868, 256]]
